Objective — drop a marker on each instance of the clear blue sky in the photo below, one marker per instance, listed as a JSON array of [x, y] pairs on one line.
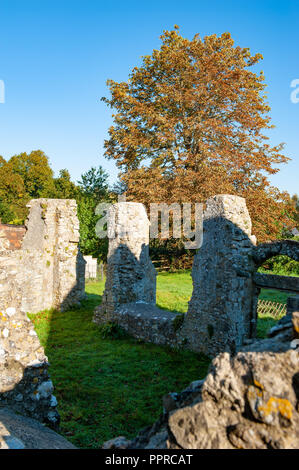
[[55, 58]]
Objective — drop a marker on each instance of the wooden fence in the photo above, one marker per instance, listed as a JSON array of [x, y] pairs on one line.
[[273, 309]]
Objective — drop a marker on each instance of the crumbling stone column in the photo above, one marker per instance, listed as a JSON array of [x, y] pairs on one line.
[[220, 310], [131, 276]]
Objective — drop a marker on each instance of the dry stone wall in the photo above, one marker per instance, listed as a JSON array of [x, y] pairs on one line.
[[46, 272]]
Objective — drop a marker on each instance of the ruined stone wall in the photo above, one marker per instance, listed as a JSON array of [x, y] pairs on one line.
[[25, 385], [46, 272], [220, 310], [131, 276], [219, 316]]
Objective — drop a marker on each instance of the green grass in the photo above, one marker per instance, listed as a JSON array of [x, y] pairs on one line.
[[275, 295], [265, 321], [106, 387], [174, 290], [110, 387]]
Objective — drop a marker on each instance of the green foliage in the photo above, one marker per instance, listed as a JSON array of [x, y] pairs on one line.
[[64, 188], [13, 196], [281, 265], [94, 183], [23, 177], [6, 213], [35, 172], [93, 190]]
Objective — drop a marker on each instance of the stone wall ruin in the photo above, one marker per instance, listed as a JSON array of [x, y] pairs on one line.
[[46, 271], [131, 276], [222, 311], [11, 236]]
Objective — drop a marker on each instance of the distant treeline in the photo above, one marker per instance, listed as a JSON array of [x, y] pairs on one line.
[[28, 176]]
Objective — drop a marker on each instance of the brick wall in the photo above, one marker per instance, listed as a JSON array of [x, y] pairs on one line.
[[11, 236]]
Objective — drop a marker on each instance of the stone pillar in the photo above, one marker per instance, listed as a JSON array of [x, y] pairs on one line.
[[220, 310], [131, 276]]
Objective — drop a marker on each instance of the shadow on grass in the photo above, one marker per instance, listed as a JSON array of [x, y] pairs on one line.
[[108, 387]]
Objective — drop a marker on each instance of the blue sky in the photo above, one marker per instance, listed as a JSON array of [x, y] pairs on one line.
[[55, 58]]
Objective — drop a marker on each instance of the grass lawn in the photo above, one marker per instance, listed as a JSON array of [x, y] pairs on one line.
[[108, 387], [111, 387], [175, 289]]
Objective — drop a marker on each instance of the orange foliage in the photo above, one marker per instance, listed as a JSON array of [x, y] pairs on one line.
[[190, 123]]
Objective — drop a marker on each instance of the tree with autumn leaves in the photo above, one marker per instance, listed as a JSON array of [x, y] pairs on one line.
[[191, 122]]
